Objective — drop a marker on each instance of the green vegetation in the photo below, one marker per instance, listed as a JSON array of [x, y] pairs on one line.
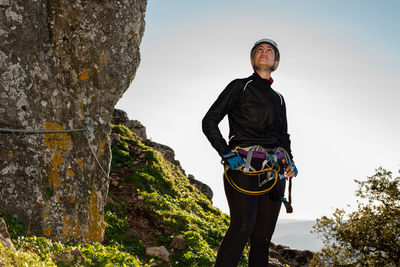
[[39, 251], [172, 204], [21, 257], [369, 236], [14, 226], [175, 203], [117, 233]]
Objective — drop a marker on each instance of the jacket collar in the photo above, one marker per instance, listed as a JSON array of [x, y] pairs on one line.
[[266, 82]]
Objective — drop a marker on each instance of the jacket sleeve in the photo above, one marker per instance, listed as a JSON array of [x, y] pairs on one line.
[[284, 132], [221, 107]]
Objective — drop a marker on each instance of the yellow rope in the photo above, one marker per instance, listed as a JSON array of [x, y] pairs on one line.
[[258, 172], [248, 192]]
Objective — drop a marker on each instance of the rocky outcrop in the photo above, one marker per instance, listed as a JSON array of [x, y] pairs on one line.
[[63, 63], [283, 256], [204, 188], [4, 235], [70, 258], [178, 243], [158, 252], [120, 117], [167, 152]]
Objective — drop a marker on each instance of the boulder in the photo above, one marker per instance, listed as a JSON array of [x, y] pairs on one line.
[[138, 128], [120, 117], [159, 252], [64, 64], [293, 257], [4, 235], [167, 152], [70, 258], [204, 188], [178, 243]]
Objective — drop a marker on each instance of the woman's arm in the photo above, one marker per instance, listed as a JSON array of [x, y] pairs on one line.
[[285, 137], [222, 106]]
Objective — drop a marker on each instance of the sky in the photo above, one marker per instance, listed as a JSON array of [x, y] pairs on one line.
[[338, 74]]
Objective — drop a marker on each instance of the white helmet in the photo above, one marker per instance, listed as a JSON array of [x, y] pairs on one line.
[[277, 54]]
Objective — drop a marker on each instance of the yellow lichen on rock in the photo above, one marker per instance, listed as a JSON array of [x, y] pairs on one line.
[[75, 229], [56, 143], [70, 227], [100, 148], [80, 163], [47, 231], [70, 172], [72, 199], [96, 220], [84, 75], [56, 161]]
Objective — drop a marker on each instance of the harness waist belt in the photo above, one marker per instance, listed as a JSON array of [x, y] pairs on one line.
[[257, 154]]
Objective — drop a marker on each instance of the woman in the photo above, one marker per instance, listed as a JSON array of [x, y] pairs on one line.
[[257, 120]]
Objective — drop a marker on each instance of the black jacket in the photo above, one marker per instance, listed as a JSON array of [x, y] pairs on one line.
[[256, 114]]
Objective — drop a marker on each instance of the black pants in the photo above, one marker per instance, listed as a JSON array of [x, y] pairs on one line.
[[254, 218]]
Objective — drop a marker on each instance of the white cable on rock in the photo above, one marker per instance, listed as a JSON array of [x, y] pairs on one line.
[[86, 130]]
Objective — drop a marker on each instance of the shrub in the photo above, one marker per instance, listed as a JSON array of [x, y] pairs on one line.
[[369, 236]]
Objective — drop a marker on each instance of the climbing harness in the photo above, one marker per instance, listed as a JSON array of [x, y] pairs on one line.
[[268, 176]]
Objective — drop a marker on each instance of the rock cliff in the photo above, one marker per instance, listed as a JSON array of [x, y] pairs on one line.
[[120, 117], [62, 64]]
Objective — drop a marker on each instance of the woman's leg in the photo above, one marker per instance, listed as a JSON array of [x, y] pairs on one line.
[[267, 215], [243, 212]]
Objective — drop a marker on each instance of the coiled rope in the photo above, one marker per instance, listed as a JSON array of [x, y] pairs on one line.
[[272, 157], [254, 173]]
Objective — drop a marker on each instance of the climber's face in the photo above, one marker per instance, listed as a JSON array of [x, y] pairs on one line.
[[264, 56]]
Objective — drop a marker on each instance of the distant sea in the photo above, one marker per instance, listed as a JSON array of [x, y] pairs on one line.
[[296, 234]]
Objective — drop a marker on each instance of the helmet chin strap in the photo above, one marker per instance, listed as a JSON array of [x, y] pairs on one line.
[[265, 69]]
